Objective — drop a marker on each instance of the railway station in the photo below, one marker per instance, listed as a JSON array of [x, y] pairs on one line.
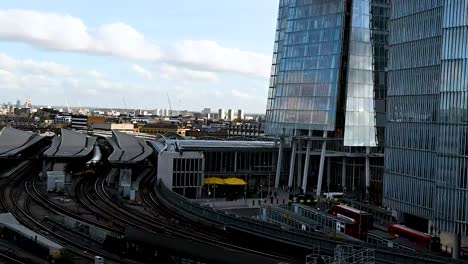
[[71, 152], [129, 161], [188, 167], [18, 148]]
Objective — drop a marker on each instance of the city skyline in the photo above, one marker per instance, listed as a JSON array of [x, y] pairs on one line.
[[58, 52]]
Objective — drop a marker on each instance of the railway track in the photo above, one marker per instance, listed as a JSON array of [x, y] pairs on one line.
[[134, 218], [18, 190], [9, 259]]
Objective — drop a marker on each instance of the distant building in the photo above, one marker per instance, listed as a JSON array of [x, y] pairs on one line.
[[221, 114], [162, 128], [230, 115], [240, 114], [114, 126], [79, 122], [93, 120], [62, 119], [206, 111]]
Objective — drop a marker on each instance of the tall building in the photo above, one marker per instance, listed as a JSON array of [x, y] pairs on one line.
[[230, 115], [240, 114], [206, 111], [427, 130], [327, 93], [221, 113]]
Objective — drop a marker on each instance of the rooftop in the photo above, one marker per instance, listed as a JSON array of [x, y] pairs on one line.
[[14, 141], [127, 148], [70, 144]]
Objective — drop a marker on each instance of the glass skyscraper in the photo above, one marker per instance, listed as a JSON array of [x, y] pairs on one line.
[[323, 54], [426, 155], [328, 81]]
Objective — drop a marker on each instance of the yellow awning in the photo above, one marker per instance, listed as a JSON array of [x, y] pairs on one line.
[[234, 181], [214, 180]]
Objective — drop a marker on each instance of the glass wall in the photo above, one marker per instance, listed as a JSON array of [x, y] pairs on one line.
[[451, 187], [306, 65], [360, 115], [427, 133], [412, 102]]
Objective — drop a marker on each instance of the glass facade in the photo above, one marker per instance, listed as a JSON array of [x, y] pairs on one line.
[[360, 127], [427, 99], [306, 65], [328, 71]]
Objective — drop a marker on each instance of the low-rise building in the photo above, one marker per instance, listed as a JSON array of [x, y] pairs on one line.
[[162, 128]]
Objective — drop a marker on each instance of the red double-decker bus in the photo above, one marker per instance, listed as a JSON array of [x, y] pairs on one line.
[[362, 220], [419, 238]]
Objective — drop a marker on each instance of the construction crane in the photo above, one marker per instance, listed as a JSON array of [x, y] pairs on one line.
[[170, 106], [125, 105]]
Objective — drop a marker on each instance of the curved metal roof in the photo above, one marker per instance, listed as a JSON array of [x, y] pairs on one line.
[[70, 144], [13, 141], [128, 148]]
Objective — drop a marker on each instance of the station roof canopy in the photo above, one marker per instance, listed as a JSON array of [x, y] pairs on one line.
[[128, 148], [9, 221], [14, 141], [200, 145], [70, 144]]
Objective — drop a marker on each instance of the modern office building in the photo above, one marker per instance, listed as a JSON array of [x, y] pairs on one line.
[[426, 156], [221, 114], [240, 114], [230, 115], [326, 100]]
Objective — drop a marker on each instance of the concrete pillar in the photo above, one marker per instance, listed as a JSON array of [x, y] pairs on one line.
[[456, 246], [343, 174], [367, 170], [293, 163], [299, 165], [322, 164], [44, 170], [278, 164], [306, 165]]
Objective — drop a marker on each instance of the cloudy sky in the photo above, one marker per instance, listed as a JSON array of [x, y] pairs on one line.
[[204, 53]]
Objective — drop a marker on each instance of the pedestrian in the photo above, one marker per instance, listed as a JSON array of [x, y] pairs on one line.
[[276, 195], [271, 199]]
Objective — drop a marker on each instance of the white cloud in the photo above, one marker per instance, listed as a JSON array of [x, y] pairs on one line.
[[171, 72], [211, 56], [50, 81], [67, 33], [142, 72], [175, 73], [33, 67]]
